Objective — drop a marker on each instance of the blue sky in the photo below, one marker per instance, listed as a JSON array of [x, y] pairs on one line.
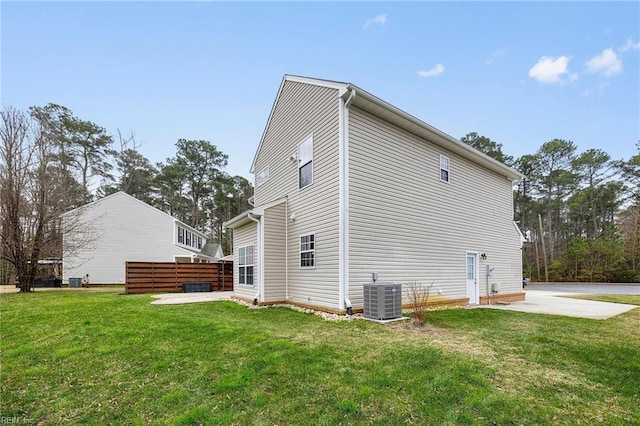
[[519, 73]]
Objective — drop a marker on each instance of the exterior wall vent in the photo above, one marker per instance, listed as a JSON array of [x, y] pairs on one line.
[[382, 301]]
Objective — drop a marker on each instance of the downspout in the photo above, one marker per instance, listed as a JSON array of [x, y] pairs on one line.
[[286, 249], [344, 201], [257, 295]]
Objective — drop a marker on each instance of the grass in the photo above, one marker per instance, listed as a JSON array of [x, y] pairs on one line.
[[102, 358]]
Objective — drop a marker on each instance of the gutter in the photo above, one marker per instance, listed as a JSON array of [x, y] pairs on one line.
[[441, 138]]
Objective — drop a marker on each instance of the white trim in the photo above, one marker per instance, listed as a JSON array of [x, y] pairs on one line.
[[447, 169], [342, 204], [261, 258], [476, 274], [523, 239], [262, 174], [317, 82], [261, 209], [343, 220], [253, 265], [305, 140], [315, 258]]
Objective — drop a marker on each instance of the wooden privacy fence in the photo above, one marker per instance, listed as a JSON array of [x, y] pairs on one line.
[[152, 277]]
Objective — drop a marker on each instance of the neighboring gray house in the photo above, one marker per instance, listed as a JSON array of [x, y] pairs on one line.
[[347, 185], [123, 228]]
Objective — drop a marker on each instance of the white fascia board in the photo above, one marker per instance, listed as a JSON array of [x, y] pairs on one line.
[[260, 209], [341, 87], [189, 228], [523, 239], [240, 220]]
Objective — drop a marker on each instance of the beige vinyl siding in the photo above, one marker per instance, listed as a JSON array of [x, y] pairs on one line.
[[122, 229], [302, 110], [407, 225], [275, 262], [245, 236]]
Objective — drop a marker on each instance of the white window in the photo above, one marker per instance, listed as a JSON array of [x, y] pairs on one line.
[[199, 242], [308, 251], [188, 238], [444, 168], [305, 163], [262, 177], [245, 265], [180, 235]]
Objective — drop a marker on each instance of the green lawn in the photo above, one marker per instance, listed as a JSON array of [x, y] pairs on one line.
[[103, 358]]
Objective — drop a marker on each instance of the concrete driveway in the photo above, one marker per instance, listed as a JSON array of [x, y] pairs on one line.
[[582, 288], [545, 299]]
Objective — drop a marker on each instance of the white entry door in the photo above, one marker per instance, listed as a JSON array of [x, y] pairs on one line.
[[473, 291]]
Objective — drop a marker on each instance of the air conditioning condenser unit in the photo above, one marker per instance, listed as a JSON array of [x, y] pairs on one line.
[[382, 301]]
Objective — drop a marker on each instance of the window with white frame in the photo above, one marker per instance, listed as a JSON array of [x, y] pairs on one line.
[[190, 239], [245, 265], [308, 251], [444, 168], [305, 163], [262, 176]]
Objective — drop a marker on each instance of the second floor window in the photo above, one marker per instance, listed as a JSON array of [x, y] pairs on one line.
[[305, 163], [444, 168], [190, 239]]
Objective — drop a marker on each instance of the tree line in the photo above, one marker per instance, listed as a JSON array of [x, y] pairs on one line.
[[52, 162], [579, 211]]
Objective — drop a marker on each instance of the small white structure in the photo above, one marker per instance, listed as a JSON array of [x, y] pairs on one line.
[[348, 187], [122, 229]]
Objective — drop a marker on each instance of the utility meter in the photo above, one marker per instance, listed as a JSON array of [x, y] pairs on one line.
[[489, 270]]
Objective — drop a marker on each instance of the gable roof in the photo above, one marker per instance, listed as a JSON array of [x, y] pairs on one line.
[[210, 249], [142, 203], [392, 114]]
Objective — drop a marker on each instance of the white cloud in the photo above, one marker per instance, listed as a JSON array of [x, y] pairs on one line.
[[494, 55], [550, 70], [433, 72], [378, 20], [630, 45], [606, 63]]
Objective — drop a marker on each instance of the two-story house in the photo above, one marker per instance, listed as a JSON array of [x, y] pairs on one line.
[[347, 185], [120, 228]]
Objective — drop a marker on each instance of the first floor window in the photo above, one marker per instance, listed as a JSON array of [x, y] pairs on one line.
[[444, 168], [245, 265], [308, 251]]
